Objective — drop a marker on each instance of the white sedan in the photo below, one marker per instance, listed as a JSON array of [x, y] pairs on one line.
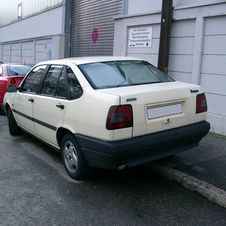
[[107, 112]]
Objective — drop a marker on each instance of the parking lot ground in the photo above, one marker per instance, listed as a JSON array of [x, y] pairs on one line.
[[202, 169], [36, 190]]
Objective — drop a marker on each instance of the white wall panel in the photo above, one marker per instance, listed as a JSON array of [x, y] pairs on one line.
[[213, 71], [6, 53], [40, 49], [181, 63], [27, 51], [216, 104], [143, 6], [181, 50], [213, 26], [183, 28], [214, 84], [15, 52], [214, 64], [213, 45], [182, 45], [193, 3], [180, 76]]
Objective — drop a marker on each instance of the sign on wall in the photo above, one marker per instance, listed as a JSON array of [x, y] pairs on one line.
[[95, 35], [140, 37]]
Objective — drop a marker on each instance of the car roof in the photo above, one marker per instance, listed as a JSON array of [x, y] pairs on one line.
[[86, 60]]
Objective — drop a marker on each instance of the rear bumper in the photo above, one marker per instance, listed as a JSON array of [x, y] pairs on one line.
[[143, 149]]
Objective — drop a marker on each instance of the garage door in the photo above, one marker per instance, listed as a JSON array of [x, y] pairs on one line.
[[93, 17], [213, 71], [15, 52], [181, 50]]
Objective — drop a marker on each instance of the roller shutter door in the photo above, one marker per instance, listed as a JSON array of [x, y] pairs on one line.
[[87, 15]]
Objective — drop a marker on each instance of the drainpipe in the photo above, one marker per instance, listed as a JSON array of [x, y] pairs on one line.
[[164, 45], [67, 28]]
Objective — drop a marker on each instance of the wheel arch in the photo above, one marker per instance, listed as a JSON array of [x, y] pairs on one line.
[[7, 108], [61, 132]]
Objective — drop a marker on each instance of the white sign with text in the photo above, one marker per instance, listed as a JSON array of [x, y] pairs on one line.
[[140, 37]]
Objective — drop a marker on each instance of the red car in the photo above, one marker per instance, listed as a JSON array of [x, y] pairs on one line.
[[11, 74]]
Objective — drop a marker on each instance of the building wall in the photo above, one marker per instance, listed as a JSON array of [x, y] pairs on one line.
[[9, 9], [197, 48], [121, 36], [34, 39], [198, 55]]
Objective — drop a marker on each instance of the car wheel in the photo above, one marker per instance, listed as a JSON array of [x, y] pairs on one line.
[[73, 159], [14, 129]]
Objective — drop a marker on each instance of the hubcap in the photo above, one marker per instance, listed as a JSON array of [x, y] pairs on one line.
[[70, 156]]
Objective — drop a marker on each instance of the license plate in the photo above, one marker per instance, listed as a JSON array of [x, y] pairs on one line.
[[163, 111]]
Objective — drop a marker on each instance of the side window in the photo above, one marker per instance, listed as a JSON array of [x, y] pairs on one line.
[[0, 71], [75, 89], [51, 80], [61, 86], [32, 81]]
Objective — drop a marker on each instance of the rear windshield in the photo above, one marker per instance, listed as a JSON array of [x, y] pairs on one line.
[[122, 73], [18, 69]]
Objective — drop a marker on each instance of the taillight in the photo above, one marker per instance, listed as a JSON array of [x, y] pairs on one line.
[[119, 117], [201, 104], [13, 81]]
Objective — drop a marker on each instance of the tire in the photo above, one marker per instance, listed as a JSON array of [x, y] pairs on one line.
[[14, 129], [73, 159], [2, 111]]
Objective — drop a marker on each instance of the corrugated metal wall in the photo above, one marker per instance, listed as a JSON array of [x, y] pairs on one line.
[[9, 9], [144, 6], [87, 15]]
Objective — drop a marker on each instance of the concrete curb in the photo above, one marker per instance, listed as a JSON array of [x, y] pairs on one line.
[[208, 191]]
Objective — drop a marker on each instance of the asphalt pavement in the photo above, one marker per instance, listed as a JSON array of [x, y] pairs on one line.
[[36, 190], [201, 169]]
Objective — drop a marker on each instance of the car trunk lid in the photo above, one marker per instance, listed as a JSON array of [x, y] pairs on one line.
[[15, 80], [158, 107]]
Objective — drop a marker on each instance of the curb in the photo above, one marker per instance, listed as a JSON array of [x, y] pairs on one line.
[[208, 191]]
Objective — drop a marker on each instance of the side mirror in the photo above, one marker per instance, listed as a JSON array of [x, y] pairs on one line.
[[11, 89]]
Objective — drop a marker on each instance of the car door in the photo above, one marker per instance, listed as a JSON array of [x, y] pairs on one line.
[[51, 103], [25, 98]]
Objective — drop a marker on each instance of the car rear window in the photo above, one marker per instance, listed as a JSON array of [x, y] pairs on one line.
[[122, 73], [18, 69]]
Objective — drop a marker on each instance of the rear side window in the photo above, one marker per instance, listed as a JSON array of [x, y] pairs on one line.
[[75, 90], [61, 82], [32, 81], [51, 80]]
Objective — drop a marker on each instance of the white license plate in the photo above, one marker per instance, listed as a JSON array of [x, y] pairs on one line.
[[162, 111]]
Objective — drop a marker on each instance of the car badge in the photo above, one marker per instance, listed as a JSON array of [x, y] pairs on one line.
[[131, 99], [194, 91]]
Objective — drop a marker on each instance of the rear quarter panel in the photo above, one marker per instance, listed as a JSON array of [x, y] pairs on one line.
[[87, 116]]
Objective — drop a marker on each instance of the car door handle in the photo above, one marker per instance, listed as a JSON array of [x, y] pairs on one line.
[[61, 106], [31, 100]]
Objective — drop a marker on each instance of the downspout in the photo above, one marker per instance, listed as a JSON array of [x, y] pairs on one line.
[[164, 45], [68, 15]]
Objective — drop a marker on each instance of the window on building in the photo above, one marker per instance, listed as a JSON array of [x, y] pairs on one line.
[[20, 11]]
